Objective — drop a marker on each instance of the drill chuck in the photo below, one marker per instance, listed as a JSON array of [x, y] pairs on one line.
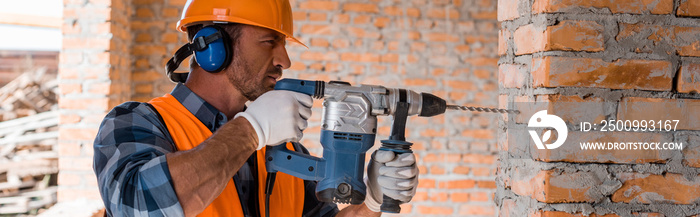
[[421, 104], [431, 105]]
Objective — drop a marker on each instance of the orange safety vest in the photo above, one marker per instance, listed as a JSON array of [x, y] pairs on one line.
[[287, 198]]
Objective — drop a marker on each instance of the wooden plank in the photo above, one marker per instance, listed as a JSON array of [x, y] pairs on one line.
[[16, 184], [29, 126], [6, 150], [27, 201], [38, 170], [40, 193], [11, 200], [10, 53], [52, 154], [9, 192], [44, 119], [17, 204], [13, 182], [30, 167], [29, 138], [31, 20]]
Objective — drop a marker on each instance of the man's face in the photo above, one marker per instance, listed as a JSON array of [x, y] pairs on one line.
[[258, 60]]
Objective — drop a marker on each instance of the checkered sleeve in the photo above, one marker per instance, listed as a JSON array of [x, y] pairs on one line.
[[129, 162]]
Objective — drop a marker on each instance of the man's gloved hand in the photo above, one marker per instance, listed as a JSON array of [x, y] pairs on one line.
[[390, 174], [278, 116]]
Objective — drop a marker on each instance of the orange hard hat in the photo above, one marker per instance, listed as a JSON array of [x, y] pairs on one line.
[[271, 14]]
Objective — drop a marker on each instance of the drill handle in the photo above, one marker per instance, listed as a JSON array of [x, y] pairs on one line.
[[398, 144], [279, 158], [297, 164], [390, 205]]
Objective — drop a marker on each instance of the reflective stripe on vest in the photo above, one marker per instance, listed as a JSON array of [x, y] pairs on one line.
[[187, 131]]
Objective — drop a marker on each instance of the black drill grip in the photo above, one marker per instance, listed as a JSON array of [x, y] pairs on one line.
[[389, 205], [398, 144]]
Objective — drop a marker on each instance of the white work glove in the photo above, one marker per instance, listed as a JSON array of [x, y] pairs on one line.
[[278, 116], [390, 174]]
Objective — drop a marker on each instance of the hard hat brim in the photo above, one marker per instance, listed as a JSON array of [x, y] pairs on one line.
[[198, 19]]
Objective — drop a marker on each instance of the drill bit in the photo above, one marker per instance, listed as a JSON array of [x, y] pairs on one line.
[[481, 109]]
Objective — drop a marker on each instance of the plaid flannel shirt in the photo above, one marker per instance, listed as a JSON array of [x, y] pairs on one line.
[[132, 171]]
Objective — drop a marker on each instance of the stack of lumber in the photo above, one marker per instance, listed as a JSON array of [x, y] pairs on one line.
[[30, 93], [28, 145]]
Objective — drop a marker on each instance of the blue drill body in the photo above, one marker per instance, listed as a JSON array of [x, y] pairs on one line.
[[348, 132]]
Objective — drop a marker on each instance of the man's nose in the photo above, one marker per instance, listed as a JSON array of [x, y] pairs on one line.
[[281, 58]]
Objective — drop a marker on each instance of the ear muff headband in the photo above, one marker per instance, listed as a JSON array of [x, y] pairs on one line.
[[211, 48]]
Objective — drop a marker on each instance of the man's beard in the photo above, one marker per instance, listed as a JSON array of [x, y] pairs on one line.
[[246, 79]]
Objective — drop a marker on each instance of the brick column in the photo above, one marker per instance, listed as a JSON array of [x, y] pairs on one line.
[[614, 54], [94, 76], [155, 40]]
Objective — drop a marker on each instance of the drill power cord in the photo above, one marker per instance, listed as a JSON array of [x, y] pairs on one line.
[[269, 184]]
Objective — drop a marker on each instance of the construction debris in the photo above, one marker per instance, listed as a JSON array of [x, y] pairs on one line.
[[28, 144], [30, 93]]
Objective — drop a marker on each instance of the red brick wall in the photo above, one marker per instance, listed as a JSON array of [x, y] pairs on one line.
[[617, 53], [94, 76]]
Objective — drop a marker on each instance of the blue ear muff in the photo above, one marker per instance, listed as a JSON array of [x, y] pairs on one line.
[[212, 49]]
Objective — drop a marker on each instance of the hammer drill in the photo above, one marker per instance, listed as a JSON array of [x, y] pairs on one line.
[[348, 131]]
